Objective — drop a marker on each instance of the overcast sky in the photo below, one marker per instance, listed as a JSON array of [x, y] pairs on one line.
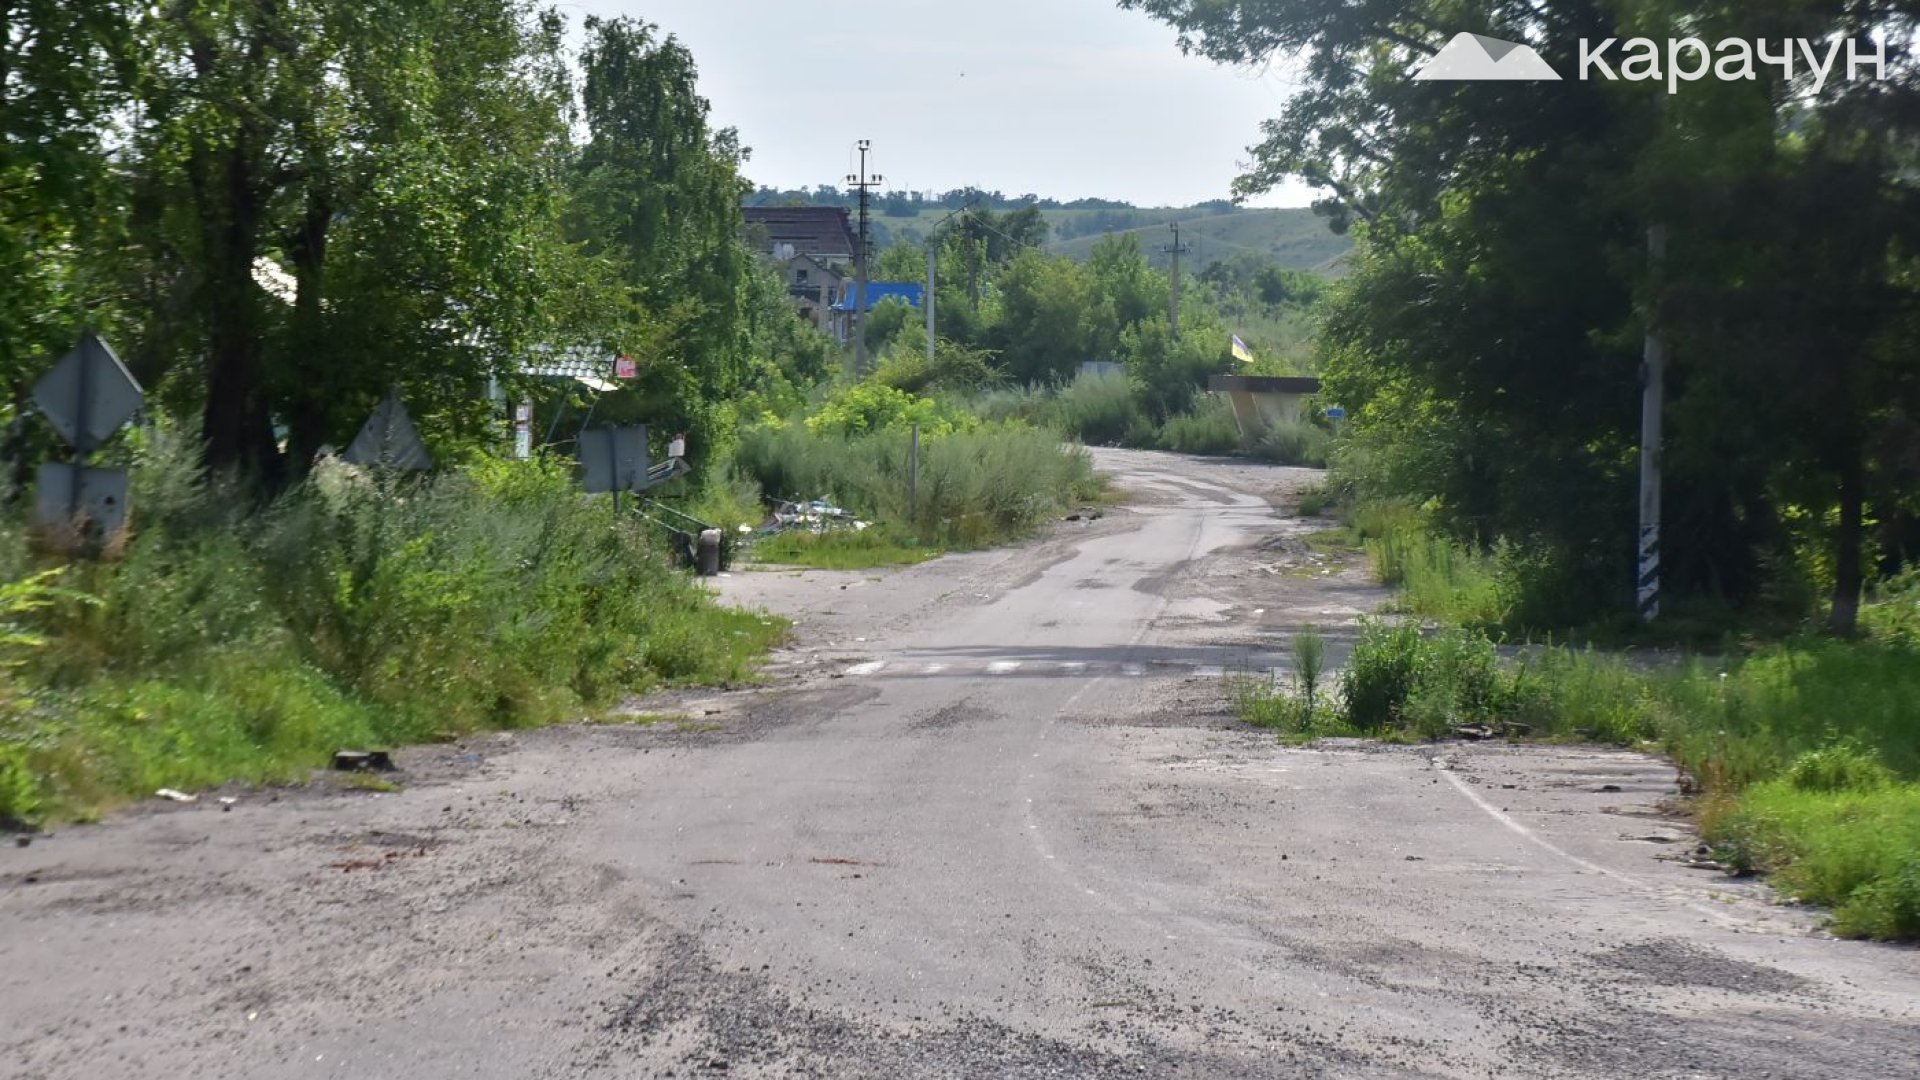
[[1062, 98]]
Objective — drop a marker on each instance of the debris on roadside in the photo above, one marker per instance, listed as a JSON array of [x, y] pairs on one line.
[[820, 515], [176, 795], [362, 761]]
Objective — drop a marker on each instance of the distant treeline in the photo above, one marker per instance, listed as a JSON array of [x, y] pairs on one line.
[[1113, 213]]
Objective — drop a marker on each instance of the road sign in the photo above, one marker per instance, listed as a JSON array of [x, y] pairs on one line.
[[88, 394], [91, 502], [1335, 412], [614, 459], [389, 439], [523, 430]]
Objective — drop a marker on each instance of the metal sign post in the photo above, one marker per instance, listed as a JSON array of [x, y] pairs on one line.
[[614, 460], [87, 396]]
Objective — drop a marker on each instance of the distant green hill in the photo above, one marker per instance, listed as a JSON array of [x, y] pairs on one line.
[[1294, 238]]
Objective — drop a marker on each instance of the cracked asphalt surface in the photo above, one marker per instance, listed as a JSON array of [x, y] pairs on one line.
[[989, 818]]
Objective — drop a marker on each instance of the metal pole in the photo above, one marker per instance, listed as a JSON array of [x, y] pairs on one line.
[[931, 248], [82, 437], [613, 467], [913, 470], [1652, 403]]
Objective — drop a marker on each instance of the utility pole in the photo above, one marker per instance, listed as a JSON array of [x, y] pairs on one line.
[[1653, 378], [863, 184], [1173, 305], [933, 255]]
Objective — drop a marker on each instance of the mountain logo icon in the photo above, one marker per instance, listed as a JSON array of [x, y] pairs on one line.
[[1478, 58]]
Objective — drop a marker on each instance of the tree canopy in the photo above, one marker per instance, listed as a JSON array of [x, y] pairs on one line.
[[1489, 342]]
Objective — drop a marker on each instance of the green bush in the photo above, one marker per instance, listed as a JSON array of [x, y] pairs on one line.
[[1099, 410], [1844, 766], [867, 408], [1381, 675], [1294, 442], [1857, 852], [1208, 429], [354, 610]]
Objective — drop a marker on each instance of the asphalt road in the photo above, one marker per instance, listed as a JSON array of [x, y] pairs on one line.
[[989, 819]]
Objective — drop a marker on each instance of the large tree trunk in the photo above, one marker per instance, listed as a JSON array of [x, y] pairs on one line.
[[238, 424], [1844, 619], [312, 387]]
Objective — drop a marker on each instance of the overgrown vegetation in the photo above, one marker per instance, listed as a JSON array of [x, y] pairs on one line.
[[1803, 752], [975, 487], [238, 641]]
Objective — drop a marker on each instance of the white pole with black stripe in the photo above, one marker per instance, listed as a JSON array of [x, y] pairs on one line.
[[1653, 377]]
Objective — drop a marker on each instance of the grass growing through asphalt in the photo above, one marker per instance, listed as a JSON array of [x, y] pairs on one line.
[[237, 642], [1805, 752]]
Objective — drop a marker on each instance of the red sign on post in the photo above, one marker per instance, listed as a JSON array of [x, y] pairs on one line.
[[625, 368]]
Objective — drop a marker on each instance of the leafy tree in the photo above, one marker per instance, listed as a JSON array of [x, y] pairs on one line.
[[659, 198], [1488, 342], [1044, 332]]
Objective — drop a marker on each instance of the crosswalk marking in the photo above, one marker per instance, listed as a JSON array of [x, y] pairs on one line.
[[1165, 669]]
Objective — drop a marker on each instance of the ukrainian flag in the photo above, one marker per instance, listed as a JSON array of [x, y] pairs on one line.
[[1240, 351]]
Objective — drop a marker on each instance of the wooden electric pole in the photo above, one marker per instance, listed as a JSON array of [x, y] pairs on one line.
[[1173, 301]]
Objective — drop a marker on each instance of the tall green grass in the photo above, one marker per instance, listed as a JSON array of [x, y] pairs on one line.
[[239, 641], [974, 487], [1293, 442], [1208, 429]]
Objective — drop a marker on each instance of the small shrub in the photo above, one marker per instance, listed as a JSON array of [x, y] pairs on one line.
[[1381, 675], [1314, 501], [1099, 410], [1843, 766], [1208, 429], [1293, 442]]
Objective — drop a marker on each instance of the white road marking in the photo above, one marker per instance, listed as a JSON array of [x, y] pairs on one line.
[[933, 669], [1133, 670], [1592, 867], [1003, 667], [1073, 667], [867, 668]]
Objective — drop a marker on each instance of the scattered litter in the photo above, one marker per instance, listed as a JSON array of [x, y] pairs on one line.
[[1473, 731], [228, 800], [819, 515], [1608, 788], [362, 761], [176, 796]]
